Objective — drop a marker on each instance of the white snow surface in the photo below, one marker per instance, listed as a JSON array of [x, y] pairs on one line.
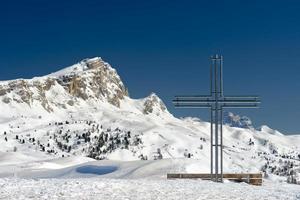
[[141, 189], [127, 180], [27, 172]]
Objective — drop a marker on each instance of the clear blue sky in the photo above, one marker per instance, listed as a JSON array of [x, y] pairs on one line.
[[164, 46]]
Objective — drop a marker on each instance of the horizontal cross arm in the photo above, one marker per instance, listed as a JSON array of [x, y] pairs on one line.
[[253, 105], [242, 96], [192, 96], [223, 105], [193, 100], [207, 96], [193, 106], [219, 101]]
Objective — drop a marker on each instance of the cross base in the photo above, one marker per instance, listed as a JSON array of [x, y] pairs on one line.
[[250, 178]]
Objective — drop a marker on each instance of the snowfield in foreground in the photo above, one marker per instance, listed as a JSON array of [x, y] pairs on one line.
[[98, 188], [88, 179]]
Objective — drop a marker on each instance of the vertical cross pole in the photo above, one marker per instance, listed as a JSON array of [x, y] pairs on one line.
[[211, 122], [221, 115], [216, 118]]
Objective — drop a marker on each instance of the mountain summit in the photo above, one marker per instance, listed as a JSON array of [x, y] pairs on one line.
[[90, 80]]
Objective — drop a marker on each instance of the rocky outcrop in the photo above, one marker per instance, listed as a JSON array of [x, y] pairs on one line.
[[90, 79], [153, 104], [99, 81], [42, 88], [233, 120]]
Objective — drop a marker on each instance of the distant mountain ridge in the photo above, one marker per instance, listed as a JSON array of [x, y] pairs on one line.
[[91, 80]]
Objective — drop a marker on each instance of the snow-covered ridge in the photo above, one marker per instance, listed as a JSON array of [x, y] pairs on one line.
[[91, 81], [267, 129]]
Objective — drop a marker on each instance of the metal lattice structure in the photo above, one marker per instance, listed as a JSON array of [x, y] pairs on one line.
[[216, 101]]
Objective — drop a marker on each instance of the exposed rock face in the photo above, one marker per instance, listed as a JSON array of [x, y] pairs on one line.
[[99, 81], [153, 104], [91, 79], [43, 87]]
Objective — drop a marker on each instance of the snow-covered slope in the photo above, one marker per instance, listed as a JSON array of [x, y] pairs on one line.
[[85, 110]]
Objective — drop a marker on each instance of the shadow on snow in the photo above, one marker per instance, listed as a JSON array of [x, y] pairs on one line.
[[98, 170]]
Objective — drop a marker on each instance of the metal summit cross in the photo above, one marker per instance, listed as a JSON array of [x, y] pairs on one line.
[[216, 101]]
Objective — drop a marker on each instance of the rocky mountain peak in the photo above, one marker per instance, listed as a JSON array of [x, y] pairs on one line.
[[153, 104], [93, 78], [90, 80]]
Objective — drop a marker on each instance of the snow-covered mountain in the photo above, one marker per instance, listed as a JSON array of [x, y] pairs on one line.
[[91, 80], [85, 110], [233, 120]]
